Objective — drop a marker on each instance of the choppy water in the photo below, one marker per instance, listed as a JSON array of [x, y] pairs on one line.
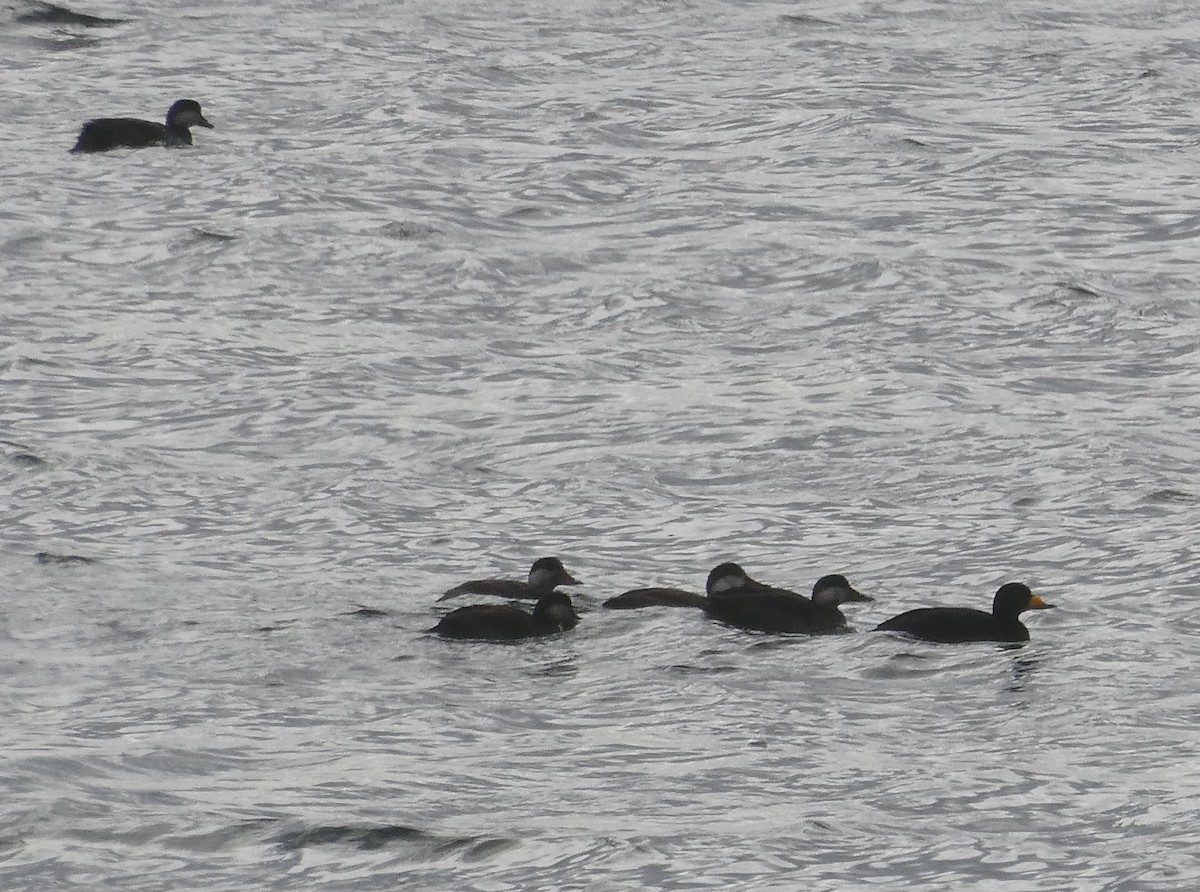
[[903, 290]]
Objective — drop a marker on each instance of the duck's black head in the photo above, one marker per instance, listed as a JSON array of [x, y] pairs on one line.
[[1014, 598], [186, 113], [555, 611]]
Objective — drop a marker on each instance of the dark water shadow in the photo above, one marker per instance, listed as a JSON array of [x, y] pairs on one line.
[[208, 235], [1022, 671], [27, 459], [63, 28], [21, 454], [1171, 497], [278, 626], [693, 669], [389, 836], [405, 231], [365, 612], [564, 666], [48, 557], [1077, 289], [39, 13], [801, 20]]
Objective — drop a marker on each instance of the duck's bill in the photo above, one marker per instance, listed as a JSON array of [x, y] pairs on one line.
[[1036, 603], [204, 122], [856, 595]]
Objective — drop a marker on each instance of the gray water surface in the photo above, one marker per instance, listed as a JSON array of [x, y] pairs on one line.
[[906, 291]]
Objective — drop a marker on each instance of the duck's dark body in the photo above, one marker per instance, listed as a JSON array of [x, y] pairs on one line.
[[736, 599], [638, 598], [104, 134], [505, 622], [127, 133], [775, 611], [545, 575], [959, 625], [501, 588]]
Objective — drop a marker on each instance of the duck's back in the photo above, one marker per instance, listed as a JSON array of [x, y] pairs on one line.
[[954, 625], [490, 622], [655, 597], [103, 134], [501, 588], [774, 611]]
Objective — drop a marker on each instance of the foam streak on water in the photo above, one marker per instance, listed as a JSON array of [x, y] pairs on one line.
[[905, 291]]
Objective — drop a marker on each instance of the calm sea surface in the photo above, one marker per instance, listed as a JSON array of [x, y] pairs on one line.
[[904, 290]]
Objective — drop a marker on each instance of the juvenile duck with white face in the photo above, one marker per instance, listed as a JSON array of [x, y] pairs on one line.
[[738, 600], [103, 134], [545, 575]]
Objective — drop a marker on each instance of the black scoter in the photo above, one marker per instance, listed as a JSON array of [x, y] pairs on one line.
[[955, 625], [738, 600], [507, 622], [103, 134]]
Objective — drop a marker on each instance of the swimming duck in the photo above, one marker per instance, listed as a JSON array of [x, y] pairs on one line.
[[737, 599], [103, 134], [507, 622], [544, 576], [954, 625]]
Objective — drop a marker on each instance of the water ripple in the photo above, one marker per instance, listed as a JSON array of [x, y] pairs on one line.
[[648, 287]]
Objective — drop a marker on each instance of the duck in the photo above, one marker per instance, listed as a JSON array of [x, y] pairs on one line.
[[552, 614], [738, 600], [102, 134], [957, 625], [545, 575]]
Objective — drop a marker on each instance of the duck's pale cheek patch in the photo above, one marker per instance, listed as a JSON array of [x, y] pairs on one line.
[[727, 584]]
